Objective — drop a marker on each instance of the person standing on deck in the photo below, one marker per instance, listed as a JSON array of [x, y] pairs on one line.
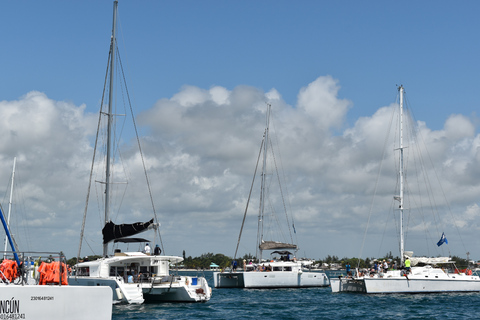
[[407, 265], [157, 251], [147, 249]]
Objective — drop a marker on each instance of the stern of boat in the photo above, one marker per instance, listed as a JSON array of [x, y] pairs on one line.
[[228, 280], [342, 284]]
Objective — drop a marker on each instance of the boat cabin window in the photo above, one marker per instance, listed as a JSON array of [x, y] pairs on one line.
[[287, 269], [84, 271], [277, 268], [116, 271], [153, 270]]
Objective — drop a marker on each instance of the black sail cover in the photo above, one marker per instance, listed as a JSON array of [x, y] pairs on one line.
[[112, 231]]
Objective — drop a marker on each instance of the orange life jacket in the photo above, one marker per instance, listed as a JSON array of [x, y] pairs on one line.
[[8, 270], [50, 273]]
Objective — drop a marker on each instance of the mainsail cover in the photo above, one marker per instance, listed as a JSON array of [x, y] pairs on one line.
[[112, 231], [275, 245]]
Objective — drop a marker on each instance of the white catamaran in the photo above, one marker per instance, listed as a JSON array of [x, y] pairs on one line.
[[285, 272], [419, 279], [135, 277]]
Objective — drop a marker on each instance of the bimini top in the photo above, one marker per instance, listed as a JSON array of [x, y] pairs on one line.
[[273, 245]]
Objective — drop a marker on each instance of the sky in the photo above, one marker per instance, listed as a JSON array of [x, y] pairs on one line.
[[199, 75]]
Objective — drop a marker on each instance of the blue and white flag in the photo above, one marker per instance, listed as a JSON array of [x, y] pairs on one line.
[[442, 240]]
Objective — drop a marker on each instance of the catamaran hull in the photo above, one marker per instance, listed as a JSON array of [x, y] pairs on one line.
[[404, 285], [347, 285], [183, 289], [272, 279], [122, 292], [178, 294], [55, 302]]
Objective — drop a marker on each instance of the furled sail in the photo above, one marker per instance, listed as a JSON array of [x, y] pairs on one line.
[[111, 231], [274, 245]]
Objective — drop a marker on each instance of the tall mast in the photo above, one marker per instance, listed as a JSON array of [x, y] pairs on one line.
[[10, 203], [109, 122], [262, 191], [401, 176]]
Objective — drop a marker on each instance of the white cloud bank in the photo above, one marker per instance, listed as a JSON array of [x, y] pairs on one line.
[[201, 149]]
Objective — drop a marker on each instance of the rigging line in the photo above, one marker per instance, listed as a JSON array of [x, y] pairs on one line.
[[428, 184], [375, 188], [443, 191], [428, 189], [117, 143], [285, 183], [23, 207], [419, 173], [11, 235], [261, 202], [385, 227], [281, 193], [142, 157], [82, 230]]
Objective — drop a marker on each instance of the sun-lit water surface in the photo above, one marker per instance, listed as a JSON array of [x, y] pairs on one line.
[[308, 303]]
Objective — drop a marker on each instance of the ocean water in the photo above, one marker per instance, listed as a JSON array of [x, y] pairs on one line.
[[308, 303]]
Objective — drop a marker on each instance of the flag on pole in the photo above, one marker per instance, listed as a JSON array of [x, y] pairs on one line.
[[442, 240]]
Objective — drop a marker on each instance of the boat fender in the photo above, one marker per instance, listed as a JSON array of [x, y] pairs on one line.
[[119, 293]]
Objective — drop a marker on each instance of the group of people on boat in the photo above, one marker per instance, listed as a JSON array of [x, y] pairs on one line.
[[380, 267], [156, 251]]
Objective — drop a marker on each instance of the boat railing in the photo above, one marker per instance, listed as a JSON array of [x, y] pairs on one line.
[[29, 263]]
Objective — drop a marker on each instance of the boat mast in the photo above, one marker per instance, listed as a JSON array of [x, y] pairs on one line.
[[402, 250], [10, 203], [262, 191], [109, 122]]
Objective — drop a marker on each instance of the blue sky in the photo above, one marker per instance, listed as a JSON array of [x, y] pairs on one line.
[[59, 47], [330, 67]]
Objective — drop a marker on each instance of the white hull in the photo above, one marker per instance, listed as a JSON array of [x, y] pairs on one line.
[[273, 279], [54, 302], [181, 289], [421, 280]]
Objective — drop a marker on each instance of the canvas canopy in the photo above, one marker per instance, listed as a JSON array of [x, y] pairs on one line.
[[274, 245], [112, 231]]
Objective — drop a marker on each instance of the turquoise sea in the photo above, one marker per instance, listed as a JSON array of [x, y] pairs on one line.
[[309, 303]]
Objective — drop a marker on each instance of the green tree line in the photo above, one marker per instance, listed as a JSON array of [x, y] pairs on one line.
[[205, 260]]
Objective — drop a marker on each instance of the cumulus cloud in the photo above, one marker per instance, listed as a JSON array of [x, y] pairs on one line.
[[201, 146]]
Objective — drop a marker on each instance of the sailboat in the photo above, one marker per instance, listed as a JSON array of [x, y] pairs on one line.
[[135, 277], [283, 272], [26, 296], [423, 276]]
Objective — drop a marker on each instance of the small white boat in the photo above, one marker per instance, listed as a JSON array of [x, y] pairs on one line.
[[420, 279], [285, 272]]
